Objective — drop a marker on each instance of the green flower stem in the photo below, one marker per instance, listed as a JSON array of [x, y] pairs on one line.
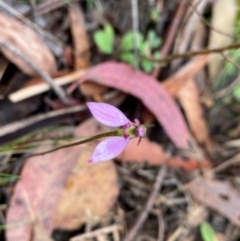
[[93, 138]]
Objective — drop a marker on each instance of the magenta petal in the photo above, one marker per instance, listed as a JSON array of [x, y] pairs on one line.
[[107, 114], [108, 149]]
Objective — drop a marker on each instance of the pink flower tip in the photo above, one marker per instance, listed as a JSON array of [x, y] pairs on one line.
[[107, 114]]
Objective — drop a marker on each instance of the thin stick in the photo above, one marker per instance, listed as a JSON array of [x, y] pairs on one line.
[[57, 89], [143, 216], [19, 125], [97, 232], [192, 54], [171, 34], [41, 87], [161, 226], [232, 161], [208, 24], [135, 31]]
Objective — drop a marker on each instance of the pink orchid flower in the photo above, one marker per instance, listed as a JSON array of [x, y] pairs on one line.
[[113, 117]]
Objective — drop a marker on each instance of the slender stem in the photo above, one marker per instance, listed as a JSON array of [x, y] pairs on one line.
[[192, 54], [93, 138]]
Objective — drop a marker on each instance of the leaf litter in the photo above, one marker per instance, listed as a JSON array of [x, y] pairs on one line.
[[64, 177], [28, 42], [62, 191]]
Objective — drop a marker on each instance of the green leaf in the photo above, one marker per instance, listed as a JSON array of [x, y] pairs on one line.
[[147, 65], [153, 39], [145, 48], [127, 41], [157, 55], [207, 232], [104, 39], [128, 58], [236, 92]]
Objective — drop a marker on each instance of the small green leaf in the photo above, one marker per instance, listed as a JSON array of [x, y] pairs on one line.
[[230, 68], [236, 92], [128, 58], [127, 41], [147, 65], [153, 39], [207, 232], [104, 39], [145, 48]]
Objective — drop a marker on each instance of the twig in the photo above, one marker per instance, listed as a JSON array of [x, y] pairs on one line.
[[19, 125], [234, 160], [134, 4], [33, 5], [57, 89], [41, 87], [143, 216], [161, 225], [50, 5], [207, 23], [192, 54], [97, 232], [184, 38], [171, 35]]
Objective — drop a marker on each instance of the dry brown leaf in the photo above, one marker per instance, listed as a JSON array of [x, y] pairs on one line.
[[151, 152], [189, 164], [28, 42], [218, 195], [141, 152], [42, 185], [189, 99], [39, 234], [82, 49], [175, 82], [80, 37], [91, 89], [92, 189]]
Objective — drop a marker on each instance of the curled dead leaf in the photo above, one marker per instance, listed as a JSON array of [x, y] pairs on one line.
[[28, 42], [189, 99], [141, 153], [175, 82], [152, 94]]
